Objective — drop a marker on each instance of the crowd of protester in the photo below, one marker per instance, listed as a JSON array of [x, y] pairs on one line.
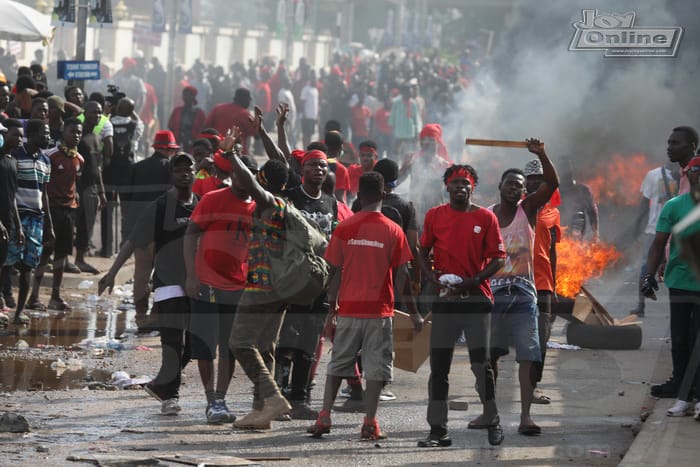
[[187, 196]]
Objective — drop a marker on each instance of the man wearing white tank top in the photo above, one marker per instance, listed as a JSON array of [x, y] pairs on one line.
[[514, 316]]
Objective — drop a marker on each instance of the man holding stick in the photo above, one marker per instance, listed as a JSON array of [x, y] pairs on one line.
[[515, 307]]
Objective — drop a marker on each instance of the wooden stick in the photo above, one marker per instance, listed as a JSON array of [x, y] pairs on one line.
[[496, 143]]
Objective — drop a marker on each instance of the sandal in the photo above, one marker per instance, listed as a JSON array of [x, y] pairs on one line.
[[60, 305], [529, 430], [538, 397], [36, 305]]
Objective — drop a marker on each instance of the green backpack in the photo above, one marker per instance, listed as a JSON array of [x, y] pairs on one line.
[[300, 274]]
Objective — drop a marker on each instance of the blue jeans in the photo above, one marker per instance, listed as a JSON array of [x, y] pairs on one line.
[[514, 321]]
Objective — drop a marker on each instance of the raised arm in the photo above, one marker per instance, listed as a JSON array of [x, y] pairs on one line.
[[263, 198], [282, 142], [535, 201], [271, 149]]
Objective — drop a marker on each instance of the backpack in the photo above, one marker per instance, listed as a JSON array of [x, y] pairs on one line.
[[300, 274]]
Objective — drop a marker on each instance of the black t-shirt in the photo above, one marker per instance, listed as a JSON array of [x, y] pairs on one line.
[[322, 210], [164, 223], [8, 188], [89, 148], [405, 210]]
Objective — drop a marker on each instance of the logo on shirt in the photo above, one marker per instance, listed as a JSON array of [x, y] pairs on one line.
[[477, 229], [363, 242], [60, 166]]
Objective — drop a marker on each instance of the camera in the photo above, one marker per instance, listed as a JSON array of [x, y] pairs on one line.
[[114, 95]]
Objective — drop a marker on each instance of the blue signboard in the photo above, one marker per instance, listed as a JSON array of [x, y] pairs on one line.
[[79, 70]]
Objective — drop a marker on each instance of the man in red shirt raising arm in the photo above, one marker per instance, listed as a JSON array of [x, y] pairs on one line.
[[364, 251], [468, 249]]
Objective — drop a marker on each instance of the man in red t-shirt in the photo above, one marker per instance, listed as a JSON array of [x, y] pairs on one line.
[[216, 253], [334, 142], [368, 157], [225, 116], [547, 235], [364, 251], [468, 249]]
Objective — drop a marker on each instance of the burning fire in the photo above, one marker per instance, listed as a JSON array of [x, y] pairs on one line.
[[619, 180], [578, 261]]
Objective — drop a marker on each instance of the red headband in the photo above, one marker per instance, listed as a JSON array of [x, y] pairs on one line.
[[209, 136], [369, 149], [313, 154], [461, 173]]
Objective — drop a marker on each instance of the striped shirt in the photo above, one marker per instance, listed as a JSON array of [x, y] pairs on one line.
[[33, 172]]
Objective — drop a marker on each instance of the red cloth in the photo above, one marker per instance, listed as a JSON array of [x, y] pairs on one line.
[[434, 131], [298, 154], [547, 219], [381, 121], [354, 172], [147, 114], [342, 178], [463, 242], [223, 116], [202, 186], [263, 96], [359, 115], [197, 125], [313, 154], [221, 163], [367, 247], [222, 256], [344, 212]]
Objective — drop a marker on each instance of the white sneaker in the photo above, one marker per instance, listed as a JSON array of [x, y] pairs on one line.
[[170, 407], [696, 416], [680, 409]]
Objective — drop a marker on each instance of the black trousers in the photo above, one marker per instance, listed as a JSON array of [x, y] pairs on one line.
[[173, 324], [450, 318], [685, 324]]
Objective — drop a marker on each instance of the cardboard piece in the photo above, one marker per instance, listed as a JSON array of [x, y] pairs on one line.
[[410, 351], [588, 310]]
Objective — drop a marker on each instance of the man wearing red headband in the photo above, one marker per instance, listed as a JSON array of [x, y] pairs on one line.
[[432, 159], [515, 305], [368, 157], [466, 243]]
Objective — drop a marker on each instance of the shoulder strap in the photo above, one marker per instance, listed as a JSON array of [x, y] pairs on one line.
[[669, 195]]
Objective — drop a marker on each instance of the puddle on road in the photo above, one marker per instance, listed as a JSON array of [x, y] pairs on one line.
[[91, 318], [17, 374]]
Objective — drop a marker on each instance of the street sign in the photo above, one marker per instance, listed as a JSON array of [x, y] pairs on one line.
[[78, 70]]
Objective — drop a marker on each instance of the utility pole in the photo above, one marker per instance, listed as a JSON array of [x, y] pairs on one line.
[[172, 36], [82, 32]]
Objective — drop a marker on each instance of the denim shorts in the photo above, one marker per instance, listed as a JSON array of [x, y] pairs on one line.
[[514, 322], [29, 253]]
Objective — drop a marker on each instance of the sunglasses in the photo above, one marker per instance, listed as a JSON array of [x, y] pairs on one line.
[[694, 169]]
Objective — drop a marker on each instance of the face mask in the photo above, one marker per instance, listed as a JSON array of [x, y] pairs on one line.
[[2, 140]]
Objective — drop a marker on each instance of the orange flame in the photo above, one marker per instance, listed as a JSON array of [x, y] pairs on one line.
[[578, 261], [619, 180]]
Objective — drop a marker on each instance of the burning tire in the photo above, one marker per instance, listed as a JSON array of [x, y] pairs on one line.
[[591, 336]]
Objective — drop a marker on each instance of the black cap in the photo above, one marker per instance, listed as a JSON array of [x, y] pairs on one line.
[[388, 168], [181, 157]]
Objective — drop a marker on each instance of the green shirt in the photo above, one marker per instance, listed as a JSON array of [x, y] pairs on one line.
[[678, 273]]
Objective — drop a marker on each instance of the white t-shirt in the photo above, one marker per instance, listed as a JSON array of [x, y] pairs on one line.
[[654, 189], [309, 94], [285, 96]]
